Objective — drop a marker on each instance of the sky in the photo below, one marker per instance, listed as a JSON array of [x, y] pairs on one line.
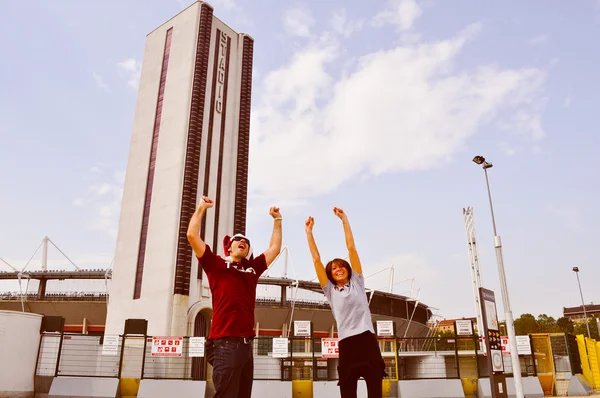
[[375, 107]]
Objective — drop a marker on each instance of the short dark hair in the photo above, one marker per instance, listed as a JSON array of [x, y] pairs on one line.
[[340, 262]]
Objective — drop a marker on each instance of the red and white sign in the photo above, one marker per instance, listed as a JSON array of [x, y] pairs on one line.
[[505, 345], [167, 346], [523, 345], [330, 348]]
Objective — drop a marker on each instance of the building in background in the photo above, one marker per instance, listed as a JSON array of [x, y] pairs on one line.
[[190, 138], [576, 313], [447, 325]]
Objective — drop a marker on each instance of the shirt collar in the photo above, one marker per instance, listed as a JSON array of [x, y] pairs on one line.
[[337, 287]]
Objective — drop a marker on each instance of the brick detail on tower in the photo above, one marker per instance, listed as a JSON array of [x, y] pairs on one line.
[[192, 155], [139, 272], [241, 187]]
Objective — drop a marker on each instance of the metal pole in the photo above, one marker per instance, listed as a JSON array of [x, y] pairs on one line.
[[45, 254], [122, 353], [457, 359], [583, 304], [487, 184], [21, 291], [144, 355], [59, 354], [285, 262], [512, 338]]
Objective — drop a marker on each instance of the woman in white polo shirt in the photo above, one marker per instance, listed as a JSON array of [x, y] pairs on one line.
[[344, 287]]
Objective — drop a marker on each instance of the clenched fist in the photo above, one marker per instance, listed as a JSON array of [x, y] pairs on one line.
[[309, 224], [274, 212], [205, 203]]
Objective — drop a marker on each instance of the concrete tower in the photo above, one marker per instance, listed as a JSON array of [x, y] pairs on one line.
[[190, 137]]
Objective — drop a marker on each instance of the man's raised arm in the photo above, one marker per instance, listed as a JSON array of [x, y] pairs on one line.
[[275, 245], [193, 232]]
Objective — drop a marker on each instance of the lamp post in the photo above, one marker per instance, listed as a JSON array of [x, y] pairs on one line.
[[576, 270], [512, 338]]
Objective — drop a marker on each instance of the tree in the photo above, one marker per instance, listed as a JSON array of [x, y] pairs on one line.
[[565, 325], [546, 324], [525, 324], [442, 341], [580, 328]]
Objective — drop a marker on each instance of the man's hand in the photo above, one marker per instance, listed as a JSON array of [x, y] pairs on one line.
[[193, 232], [340, 213], [309, 224], [274, 212], [205, 203], [275, 244]]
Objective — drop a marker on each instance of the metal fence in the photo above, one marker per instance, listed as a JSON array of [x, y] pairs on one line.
[[177, 368], [427, 358], [405, 358], [76, 355], [467, 354]]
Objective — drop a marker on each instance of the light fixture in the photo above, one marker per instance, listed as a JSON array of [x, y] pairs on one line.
[[479, 159]]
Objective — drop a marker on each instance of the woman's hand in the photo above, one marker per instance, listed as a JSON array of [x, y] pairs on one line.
[[340, 213], [310, 222]]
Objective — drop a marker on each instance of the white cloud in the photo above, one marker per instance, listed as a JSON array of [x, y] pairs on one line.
[[398, 110], [106, 212], [507, 149], [101, 189], [538, 40], [104, 200], [528, 120], [298, 22], [100, 83], [342, 26], [132, 69], [568, 101], [402, 13], [119, 177], [569, 216]]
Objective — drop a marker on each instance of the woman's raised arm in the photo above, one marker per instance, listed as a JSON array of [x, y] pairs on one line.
[[353, 254], [314, 252]]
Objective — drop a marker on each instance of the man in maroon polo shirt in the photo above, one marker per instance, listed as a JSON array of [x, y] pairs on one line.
[[232, 282]]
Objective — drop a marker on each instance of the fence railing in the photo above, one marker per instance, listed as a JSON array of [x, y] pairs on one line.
[[455, 357], [76, 355]]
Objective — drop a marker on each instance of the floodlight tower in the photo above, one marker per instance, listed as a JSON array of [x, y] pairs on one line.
[[474, 262], [516, 364]]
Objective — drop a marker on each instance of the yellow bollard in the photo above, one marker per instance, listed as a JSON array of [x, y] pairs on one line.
[[302, 388], [469, 385], [389, 388], [129, 387]]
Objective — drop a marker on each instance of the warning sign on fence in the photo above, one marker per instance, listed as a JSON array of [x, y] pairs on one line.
[[330, 348], [302, 328], [523, 345], [167, 346], [196, 348], [280, 347], [110, 345]]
